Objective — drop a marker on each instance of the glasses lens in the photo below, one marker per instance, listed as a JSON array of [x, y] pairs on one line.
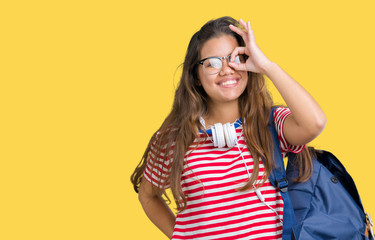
[[212, 65], [240, 59]]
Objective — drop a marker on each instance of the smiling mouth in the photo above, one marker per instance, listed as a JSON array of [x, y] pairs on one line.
[[229, 82]]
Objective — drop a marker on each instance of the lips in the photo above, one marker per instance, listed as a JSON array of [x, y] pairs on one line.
[[228, 82]]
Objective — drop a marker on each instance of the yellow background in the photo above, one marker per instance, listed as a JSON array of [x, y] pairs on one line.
[[84, 84]]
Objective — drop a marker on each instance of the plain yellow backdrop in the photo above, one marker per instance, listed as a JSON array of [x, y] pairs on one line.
[[84, 84]]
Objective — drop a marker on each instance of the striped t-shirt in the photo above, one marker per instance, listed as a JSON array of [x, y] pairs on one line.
[[211, 178]]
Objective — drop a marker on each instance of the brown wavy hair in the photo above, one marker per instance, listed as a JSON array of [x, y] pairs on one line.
[[181, 126]]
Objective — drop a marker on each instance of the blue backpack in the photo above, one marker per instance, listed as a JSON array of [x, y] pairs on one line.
[[327, 206]]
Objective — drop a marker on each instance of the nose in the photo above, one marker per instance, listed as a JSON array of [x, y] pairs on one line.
[[226, 69]]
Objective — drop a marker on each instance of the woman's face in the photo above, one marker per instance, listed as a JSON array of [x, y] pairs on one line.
[[227, 85]]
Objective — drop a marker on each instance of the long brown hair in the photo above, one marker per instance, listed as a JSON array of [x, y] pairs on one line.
[[180, 128]]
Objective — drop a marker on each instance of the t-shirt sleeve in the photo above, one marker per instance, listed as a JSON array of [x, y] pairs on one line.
[[281, 113], [157, 168]]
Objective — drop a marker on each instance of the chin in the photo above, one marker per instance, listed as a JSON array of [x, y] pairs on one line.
[[230, 99]]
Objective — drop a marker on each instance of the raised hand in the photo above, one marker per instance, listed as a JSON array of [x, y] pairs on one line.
[[257, 62]]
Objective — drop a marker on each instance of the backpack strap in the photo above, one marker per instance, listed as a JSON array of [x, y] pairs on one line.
[[278, 180], [369, 232]]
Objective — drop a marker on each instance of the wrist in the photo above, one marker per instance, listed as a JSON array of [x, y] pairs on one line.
[[268, 68]]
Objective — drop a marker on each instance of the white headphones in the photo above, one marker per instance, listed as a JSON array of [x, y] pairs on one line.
[[222, 135]]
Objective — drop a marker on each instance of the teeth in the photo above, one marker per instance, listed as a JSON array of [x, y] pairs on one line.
[[228, 82]]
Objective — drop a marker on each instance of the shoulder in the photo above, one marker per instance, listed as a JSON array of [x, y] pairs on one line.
[[281, 111], [280, 114]]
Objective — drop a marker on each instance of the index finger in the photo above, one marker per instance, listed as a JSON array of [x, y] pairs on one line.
[[237, 51], [239, 32]]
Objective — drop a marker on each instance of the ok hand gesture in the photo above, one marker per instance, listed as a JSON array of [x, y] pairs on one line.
[[257, 62]]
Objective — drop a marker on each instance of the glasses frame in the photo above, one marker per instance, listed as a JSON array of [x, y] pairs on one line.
[[220, 58]]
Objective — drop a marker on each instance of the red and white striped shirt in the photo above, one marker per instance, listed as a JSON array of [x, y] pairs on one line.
[[211, 178]]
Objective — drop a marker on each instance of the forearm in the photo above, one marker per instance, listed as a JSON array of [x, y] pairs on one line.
[[306, 111], [307, 115], [159, 213]]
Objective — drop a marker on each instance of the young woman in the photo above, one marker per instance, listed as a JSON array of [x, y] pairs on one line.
[[219, 190]]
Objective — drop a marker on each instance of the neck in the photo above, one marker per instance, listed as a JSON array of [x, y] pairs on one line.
[[222, 113]]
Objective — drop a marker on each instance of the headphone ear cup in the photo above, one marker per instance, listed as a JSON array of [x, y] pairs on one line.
[[230, 134], [219, 132], [226, 134], [214, 136]]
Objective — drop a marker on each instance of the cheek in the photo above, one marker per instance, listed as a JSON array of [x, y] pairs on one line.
[[205, 80], [245, 77]]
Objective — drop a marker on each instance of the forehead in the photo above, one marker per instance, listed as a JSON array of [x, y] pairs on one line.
[[219, 46]]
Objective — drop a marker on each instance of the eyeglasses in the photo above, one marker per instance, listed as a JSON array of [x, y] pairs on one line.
[[213, 65]]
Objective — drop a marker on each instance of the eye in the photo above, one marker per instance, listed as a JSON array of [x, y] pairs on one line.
[[237, 59], [212, 63], [240, 59]]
